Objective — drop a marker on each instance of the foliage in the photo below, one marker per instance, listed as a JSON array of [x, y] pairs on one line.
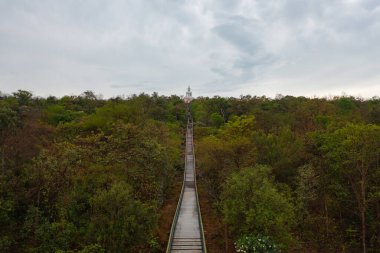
[[82, 174], [253, 204], [354, 153], [93, 248], [322, 151], [56, 114], [23, 97], [118, 221], [217, 119], [256, 244], [9, 118], [87, 174]]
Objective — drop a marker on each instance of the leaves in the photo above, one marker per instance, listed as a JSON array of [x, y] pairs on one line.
[[119, 222], [85, 174], [253, 204], [256, 244]]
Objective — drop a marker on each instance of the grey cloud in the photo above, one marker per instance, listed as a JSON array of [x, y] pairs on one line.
[[219, 71], [239, 35], [230, 47]]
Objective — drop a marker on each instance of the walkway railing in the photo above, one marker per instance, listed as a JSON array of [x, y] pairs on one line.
[[186, 232]]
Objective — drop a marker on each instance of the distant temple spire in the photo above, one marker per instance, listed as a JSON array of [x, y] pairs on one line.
[[188, 96]]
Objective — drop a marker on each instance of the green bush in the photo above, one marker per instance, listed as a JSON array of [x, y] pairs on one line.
[[93, 248], [256, 244], [252, 204]]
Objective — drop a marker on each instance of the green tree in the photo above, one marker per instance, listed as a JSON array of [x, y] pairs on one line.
[[253, 204], [9, 120], [354, 152], [56, 114], [216, 119], [23, 97], [119, 222]]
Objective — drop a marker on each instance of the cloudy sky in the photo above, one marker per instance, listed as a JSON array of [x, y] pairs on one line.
[[218, 47]]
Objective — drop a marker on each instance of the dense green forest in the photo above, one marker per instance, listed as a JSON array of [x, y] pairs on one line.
[[81, 174], [297, 173], [85, 174]]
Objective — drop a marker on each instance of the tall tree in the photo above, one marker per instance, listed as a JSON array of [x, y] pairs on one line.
[[253, 204], [355, 152]]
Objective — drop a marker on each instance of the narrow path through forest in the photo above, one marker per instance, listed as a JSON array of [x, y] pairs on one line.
[[186, 234]]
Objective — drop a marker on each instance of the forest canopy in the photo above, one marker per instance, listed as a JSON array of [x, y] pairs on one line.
[[87, 174]]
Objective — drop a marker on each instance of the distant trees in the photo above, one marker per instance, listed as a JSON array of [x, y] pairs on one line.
[[82, 174], [231, 148], [23, 97], [354, 152], [9, 121], [324, 158], [85, 174]]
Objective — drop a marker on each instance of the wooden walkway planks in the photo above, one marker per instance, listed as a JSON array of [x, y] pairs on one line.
[[186, 234]]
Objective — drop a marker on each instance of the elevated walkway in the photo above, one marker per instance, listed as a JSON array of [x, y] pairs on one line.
[[186, 234]]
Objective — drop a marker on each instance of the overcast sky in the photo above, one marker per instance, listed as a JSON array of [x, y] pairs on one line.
[[220, 47]]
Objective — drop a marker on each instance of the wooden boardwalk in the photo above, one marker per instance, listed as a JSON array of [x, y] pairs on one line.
[[186, 234]]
